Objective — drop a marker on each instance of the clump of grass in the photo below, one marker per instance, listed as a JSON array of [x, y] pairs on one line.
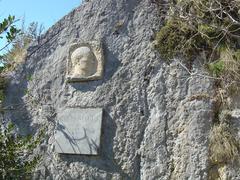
[[223, 147], [231, 62], [18, 53]]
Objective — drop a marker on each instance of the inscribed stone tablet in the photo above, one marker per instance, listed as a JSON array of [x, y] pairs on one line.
[[78, 131]]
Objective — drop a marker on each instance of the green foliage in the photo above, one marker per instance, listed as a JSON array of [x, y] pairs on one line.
[[207, 29], [216, 68], [8, 29], [171, 39], [197, 26], [21, 43], [16, 154], [17, 160]]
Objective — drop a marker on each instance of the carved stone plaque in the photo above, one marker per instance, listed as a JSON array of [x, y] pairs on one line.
[[85, 62], [78, 131]]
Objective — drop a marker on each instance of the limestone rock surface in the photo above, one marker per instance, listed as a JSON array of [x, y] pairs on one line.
[[156, 118]]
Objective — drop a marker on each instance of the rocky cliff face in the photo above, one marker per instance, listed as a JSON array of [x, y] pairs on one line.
[[157, 117]]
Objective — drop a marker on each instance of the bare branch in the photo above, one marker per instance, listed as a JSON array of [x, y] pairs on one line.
[[195, 73]]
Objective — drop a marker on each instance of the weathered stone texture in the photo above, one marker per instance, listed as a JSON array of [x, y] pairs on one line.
[[153, 127]]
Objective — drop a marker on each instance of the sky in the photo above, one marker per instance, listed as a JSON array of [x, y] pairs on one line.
[[46, 12]]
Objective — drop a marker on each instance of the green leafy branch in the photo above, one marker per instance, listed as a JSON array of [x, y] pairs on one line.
[[16, 153], [8, 30], [17, 158]]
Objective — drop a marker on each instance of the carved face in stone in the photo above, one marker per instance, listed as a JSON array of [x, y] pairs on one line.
[[84, 62]]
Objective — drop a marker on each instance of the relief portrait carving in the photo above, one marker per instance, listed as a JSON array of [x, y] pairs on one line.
[[85, 62]]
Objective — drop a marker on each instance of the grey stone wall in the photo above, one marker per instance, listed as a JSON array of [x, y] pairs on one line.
[[153, 126]]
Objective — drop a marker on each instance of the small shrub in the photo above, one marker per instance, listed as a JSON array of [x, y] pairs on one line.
[[17, 160], [17, 54], [227, 66], [196, 26], [174, 39]]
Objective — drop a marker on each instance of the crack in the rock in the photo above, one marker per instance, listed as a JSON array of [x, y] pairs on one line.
[[145, 112]]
